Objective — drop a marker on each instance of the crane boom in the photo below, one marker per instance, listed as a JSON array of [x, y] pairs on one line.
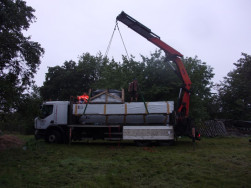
[[171, 54], [147, 33]]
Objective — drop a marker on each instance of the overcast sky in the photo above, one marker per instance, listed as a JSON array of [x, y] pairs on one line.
[[217, 31]]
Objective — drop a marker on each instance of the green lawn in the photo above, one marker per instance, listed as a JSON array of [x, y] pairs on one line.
[[215, 162]]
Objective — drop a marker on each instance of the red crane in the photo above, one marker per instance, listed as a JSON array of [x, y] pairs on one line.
[[183, 125]]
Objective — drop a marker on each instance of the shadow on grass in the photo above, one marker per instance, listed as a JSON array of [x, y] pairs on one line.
[[184, 142]]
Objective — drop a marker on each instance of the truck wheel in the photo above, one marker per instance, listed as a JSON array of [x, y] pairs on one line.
[[53, 137]]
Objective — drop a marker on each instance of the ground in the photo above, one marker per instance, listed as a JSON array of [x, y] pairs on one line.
[[10, 141], [212, 162]]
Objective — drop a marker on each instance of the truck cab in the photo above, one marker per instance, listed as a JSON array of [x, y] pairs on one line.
[[53, 116]]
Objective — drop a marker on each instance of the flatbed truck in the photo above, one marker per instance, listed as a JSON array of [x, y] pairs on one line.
[[64, 121]]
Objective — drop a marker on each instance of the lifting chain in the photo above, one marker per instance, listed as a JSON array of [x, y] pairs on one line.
[[110, 42]]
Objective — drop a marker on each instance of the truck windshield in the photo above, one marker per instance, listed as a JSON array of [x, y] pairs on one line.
[[46, 111]]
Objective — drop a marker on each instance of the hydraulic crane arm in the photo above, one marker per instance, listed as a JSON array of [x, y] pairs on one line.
[[147, 33], [171, 54]]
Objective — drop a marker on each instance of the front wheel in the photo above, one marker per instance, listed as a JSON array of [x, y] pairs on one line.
[[53, 137]]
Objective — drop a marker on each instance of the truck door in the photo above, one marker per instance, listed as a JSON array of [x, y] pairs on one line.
[[46, 118]]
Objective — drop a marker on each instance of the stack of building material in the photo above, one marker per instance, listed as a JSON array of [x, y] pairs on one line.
[[134, 113], [135, 108]]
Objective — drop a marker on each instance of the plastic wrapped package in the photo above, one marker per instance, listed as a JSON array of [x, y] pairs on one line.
[[161, 107]]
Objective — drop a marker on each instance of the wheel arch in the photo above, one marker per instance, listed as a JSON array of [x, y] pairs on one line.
[[62, 131], [55, 128]]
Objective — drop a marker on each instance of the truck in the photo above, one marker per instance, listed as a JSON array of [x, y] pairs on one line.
[[107, 116]]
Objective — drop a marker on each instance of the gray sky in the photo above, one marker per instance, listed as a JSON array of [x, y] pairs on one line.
[[217, 31]]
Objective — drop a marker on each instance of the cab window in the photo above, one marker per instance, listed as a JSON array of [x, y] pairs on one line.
[[46, 110]]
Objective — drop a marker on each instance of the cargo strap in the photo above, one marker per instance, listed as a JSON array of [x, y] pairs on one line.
[[143, 100], [86, 104]]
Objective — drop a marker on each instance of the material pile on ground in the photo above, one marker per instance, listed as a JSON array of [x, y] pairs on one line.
[[10, 141], [213, 128]]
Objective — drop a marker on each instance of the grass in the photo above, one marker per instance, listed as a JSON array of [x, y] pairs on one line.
[[215, 162]]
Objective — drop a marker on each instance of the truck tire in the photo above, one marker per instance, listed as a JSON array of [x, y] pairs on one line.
[[54, 136]]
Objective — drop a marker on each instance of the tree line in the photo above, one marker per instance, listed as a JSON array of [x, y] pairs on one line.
[[157, 81], [20, 58]]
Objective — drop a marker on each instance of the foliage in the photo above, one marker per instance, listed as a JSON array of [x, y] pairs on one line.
[[200, 75], [157, 81], [19, 56], [107, 164], [28, 109], [22, 119], [71, 79], [235, 91]]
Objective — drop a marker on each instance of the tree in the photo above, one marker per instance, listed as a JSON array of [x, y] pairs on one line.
[[201, 97], [22, 119], [161, 83], [59, 82], [157, 81], [235, 91], [28, 109], [72, 78], [19, 56]]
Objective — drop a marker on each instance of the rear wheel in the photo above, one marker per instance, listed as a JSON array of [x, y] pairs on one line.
[[54, 136]]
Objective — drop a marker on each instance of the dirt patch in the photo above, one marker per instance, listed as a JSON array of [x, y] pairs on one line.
[[10, 141]]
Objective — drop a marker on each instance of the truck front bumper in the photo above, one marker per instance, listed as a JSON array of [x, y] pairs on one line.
[[40, 134]]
